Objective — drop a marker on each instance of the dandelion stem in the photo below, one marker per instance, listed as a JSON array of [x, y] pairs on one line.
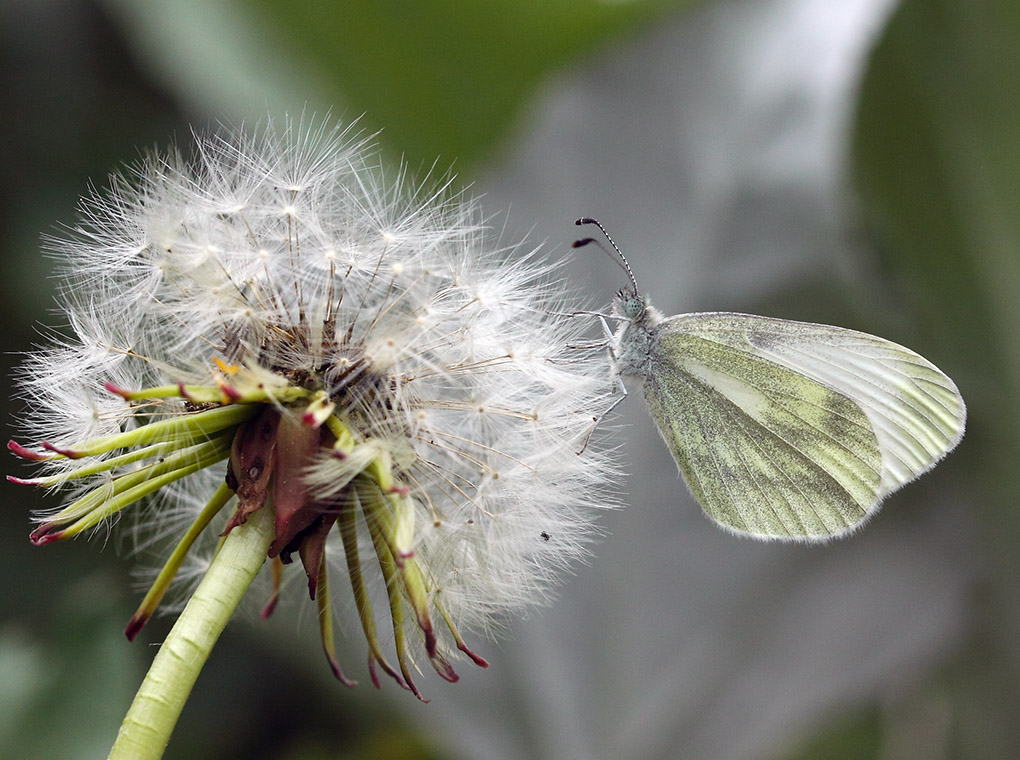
[[154, 712]]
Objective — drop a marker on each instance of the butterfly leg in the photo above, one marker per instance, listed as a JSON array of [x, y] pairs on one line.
[[619, 384]]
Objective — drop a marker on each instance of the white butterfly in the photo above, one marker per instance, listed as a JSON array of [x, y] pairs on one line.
[[785, 429]]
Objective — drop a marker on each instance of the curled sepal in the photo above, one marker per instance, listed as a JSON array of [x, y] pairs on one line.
[[402, 531], [390, 571], [234, 385], [25, 453], [276, 570], [326, 624], [105, 465], [377, 513], [416, 591], [347, 524], [345, 440], [183, 430], [443, 668], [319, 409], [252, 459], [373, 458], [296, 508], [403, 524], [313, 548], [199, 394], [107, 499], [475, 658], [159, 587]]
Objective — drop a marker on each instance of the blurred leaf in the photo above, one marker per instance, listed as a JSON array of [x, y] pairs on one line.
[[938, 158], [938, 161], [914, 723], [65, 691], [939, 167], [446, 77], [854, 736]]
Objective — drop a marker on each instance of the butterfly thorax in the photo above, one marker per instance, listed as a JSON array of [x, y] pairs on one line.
[[633, 339]]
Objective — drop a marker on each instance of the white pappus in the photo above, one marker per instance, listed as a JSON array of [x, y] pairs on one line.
[[347, 347]]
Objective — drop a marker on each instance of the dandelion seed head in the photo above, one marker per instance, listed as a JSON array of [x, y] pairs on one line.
[[283, 269]]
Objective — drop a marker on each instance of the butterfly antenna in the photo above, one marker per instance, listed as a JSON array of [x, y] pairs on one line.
[[622, 261]]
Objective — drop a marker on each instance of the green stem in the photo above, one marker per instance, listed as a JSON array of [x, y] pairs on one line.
[[152, 716]]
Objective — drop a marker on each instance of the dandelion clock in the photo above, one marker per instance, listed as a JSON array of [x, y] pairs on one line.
[[275, 355]]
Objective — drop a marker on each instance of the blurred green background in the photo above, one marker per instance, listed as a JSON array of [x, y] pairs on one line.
[[855, 163]]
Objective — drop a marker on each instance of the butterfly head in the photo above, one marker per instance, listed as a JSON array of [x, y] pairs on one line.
[[628, 305], [632, 308]]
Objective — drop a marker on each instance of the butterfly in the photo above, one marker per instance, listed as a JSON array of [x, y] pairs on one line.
[[783, 429]]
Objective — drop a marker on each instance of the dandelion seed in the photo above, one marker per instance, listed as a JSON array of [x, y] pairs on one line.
[[269, 326]]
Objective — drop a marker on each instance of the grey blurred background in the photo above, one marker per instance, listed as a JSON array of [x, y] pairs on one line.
[[855, 163]]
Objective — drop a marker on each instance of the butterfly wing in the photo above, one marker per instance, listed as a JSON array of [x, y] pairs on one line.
[[795, 430]]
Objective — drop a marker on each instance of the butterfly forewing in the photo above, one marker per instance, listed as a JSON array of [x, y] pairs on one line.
[[792, 429], [916, 412], [765, 449]]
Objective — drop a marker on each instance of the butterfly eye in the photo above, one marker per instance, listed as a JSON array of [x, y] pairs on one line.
[[634, 307]]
